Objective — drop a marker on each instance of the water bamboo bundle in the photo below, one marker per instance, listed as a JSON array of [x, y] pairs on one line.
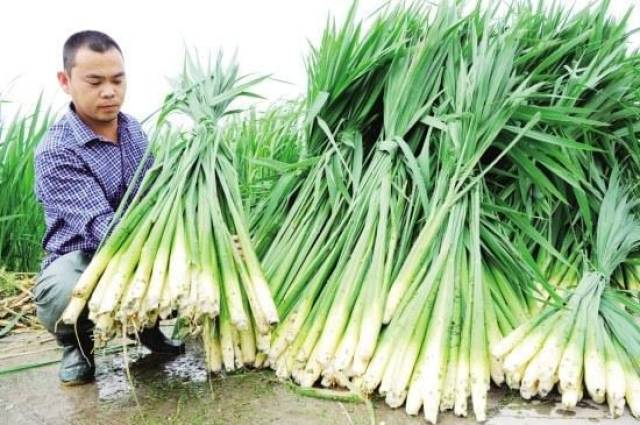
[[589, 344]]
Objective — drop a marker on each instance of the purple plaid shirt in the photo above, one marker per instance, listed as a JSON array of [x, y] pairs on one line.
[[81, 179]]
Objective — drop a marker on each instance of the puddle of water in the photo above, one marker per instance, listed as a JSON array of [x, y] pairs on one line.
[[146, 369]]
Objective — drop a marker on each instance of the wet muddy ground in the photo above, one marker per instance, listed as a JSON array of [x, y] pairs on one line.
[[178, 390]]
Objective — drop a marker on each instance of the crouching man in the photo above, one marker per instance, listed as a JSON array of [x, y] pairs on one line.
[[84, 166]]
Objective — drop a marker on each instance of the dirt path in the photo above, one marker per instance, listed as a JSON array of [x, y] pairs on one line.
[[177, 391]]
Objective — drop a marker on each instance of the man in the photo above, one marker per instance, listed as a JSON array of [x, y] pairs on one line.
[[83, 168]]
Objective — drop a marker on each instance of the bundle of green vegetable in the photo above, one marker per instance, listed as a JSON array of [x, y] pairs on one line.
[[183, 244], [309, 262], [592, 338]]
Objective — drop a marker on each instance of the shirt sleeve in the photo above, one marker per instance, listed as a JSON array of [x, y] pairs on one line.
[[69, 192]]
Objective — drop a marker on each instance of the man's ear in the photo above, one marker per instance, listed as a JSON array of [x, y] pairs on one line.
[[63, 80]]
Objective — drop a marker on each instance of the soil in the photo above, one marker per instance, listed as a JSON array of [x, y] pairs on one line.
[[178, 390]]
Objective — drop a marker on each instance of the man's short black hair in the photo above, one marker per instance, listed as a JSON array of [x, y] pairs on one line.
[[94, 40]]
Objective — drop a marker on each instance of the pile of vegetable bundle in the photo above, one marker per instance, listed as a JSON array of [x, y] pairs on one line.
[[183, 245], [422, 234]]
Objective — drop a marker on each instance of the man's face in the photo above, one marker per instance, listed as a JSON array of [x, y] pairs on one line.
[[96, 84]]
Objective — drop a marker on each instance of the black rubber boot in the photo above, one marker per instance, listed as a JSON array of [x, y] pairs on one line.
[[157, 342], [77, 366]]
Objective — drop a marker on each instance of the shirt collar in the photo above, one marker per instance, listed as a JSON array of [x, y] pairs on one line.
[[83, 133]]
